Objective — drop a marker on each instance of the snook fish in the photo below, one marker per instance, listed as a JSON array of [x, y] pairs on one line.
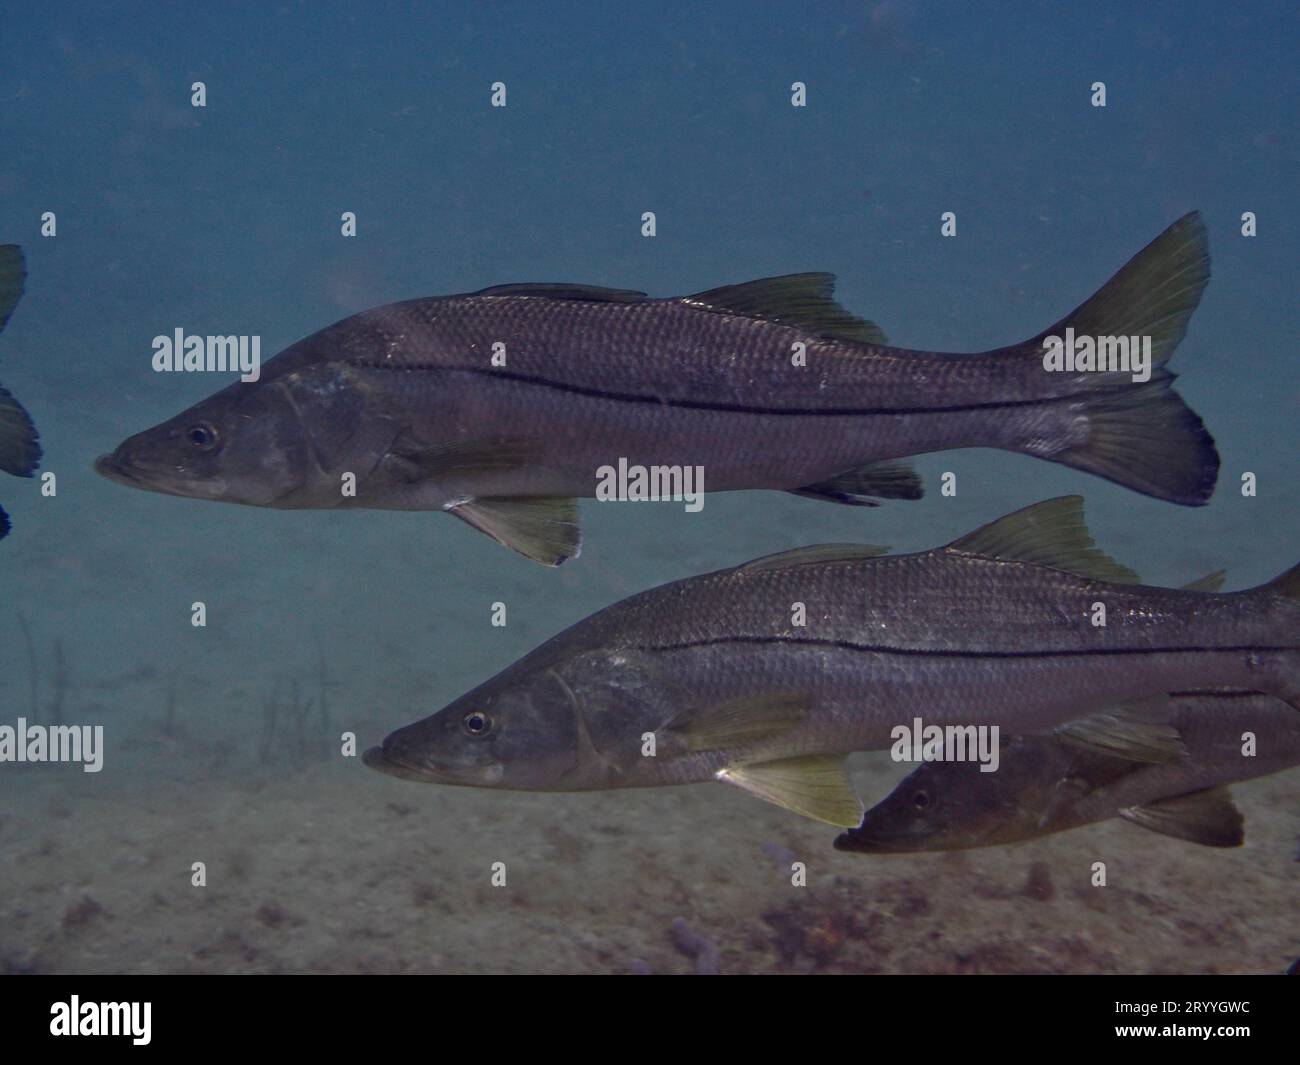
[[725, 677], [1048, 784], [20, 449], [504, 406]]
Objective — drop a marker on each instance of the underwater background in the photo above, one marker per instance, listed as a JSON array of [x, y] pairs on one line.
[[222, 742]]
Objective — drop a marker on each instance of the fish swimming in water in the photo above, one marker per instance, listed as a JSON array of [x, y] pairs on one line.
[[20, 448], [720, 677], [1047, 784], [505, 406]]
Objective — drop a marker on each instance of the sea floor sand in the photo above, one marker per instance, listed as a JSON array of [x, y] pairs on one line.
[[330, 868]]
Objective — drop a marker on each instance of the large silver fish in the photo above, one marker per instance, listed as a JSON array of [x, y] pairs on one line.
[[504, 406], [716, 675], [20, 449], [1047, 784]]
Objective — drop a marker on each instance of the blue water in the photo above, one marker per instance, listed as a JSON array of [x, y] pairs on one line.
[[226, 220]]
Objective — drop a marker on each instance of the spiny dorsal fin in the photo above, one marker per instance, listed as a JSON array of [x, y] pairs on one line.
[[1208, 817], [803, 300], [12, 275], [1210, 583], [738, 722], [1051, 533], [564, 291], [815, 786], [807, 556]]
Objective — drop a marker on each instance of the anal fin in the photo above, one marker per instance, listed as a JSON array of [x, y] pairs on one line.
[[861, 487]]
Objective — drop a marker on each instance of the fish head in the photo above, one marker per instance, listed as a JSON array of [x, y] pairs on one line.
[[244, 444], [575, 724], [942, 806]]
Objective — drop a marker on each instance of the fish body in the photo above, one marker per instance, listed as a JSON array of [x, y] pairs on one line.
[[1047, 784], [20, 448], [726, 676], [503, 406]]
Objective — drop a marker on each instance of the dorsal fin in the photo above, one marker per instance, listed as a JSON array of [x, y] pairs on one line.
[[804, 300], [1211, 583], [806, 556], [564, 291], [1051, 533]]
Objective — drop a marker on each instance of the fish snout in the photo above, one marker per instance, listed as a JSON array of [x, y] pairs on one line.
[[375, 758], [386, 760], [112, 467]]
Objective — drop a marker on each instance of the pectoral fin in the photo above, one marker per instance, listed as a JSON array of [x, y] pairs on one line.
[[463, 458], [542, 528], [1208, 817], [1128, 733], [738, 722], [1068, 791], [815, 786]]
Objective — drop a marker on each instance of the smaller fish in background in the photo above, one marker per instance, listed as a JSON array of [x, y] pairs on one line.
[[20, 449], [1050, 783]]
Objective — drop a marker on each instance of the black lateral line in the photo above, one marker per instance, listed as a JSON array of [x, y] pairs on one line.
[[696, 404], [885, 649]]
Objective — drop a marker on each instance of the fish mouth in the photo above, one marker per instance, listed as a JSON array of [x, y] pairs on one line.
[[108, 466], [164, 482], [867, 839], [461, 776], [375, 758]]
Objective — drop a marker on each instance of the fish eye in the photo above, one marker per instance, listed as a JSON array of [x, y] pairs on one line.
[[477, 723], [202, 436], [921, 800]]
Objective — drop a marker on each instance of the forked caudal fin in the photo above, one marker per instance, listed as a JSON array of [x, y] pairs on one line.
[[1140, 433]]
